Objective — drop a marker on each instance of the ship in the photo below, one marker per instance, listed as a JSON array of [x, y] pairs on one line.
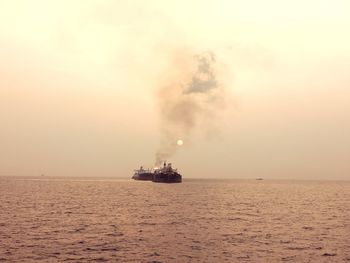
[[142, 174], [165, 174]]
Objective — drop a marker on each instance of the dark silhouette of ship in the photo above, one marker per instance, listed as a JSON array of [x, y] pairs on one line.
[[142, 174], [165, 174]]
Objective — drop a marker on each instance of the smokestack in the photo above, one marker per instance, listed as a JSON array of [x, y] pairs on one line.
[[188, 101]]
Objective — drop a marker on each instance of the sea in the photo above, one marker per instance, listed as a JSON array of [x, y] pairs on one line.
[[47, 219]]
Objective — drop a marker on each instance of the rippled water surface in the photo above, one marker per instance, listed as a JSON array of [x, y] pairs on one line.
[[82, 220]]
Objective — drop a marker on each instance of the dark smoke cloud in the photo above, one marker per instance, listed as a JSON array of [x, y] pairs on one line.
[[189, 102]]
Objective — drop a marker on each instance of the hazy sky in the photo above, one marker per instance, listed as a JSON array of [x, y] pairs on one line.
[[78, 85]]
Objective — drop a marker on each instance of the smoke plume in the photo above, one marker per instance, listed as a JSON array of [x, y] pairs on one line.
[[190, 101]]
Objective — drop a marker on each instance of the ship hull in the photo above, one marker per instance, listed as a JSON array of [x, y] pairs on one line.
[[167, 178], [143, 176]]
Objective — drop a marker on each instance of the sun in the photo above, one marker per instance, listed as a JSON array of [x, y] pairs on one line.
[[180, 142]]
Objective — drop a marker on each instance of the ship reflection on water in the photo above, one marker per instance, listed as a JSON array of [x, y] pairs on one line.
[[165, 174]]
